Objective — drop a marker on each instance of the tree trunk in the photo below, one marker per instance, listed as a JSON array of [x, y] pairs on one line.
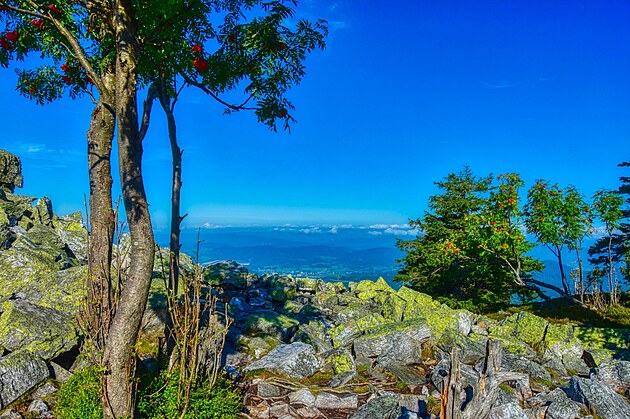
[[98, 310], [556, 289], [563, 276], [176, 187], [176, 218], [580, 272], [611, 283], [126, 322]]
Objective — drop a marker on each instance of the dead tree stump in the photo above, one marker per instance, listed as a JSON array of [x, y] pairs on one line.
[[475, 400]]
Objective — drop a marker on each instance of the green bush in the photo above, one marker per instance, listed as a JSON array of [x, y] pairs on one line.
[[158, 399], [80, 396]]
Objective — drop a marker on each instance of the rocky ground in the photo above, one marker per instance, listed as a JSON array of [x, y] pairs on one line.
[[308, 348], [304, 348]]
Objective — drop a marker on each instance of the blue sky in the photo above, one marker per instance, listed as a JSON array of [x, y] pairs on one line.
[[404, 93]]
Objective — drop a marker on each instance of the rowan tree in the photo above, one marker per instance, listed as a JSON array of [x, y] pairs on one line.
[[77, 43], [464, 243], [607, 206], [499, 232], [107, 50], [558, 219]]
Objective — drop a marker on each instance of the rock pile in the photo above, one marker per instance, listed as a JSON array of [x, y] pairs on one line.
[[42, 277], [312, 349]]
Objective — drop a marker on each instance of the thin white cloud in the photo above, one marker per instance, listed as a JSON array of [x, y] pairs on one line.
[[400, 232], [337, 25], [311, 230], [214, 226], [34, 148], [503, 84]]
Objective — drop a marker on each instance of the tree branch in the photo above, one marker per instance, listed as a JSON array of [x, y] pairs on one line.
[[217, 98], [146, 114], [24, 11], [76, 49]]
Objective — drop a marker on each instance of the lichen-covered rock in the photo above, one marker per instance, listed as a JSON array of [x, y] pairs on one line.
[[408, 374], [40, 283], [379, 407], [226, 274], [510, 410], [472, 347], [353, 309], [521, 328], [605, 343], [271, 323], [6, 237], [330, 401], [367, 289], [20, 371], [518, 363], [17, 209], [43, 331], [341, 361], [43, 212], [558, 405], [313, 333], [10, 171], [73, 234], [307, 285], [256, 345], [411, 304], [398, 343], [344, 334], [598, 397], [616, 374], [526, 333], [35, 252], [282, 293], [296, 360]]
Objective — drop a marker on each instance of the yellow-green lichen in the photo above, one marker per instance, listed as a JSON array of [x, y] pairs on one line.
[[342, 362], [367, 289]]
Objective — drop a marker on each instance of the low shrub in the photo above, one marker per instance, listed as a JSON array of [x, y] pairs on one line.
[[80, 396], [158, 399]]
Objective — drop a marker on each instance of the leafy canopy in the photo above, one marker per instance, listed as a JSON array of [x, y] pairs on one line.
[[219, 46], [471, 243]]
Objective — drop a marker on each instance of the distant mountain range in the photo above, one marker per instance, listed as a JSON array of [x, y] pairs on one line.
[[339, 253], [343, 253]]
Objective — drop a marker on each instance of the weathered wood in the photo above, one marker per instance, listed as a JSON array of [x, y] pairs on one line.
[[459, 402]]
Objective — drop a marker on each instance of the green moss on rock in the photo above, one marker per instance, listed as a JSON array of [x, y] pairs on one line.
[[271, 323], [605, 343], [43, 284], [341, 362], [367, 289], [43, 331]]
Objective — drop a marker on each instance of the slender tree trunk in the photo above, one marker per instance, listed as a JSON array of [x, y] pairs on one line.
[[561, 292], [563, 276], [126, 322], [101, 219], [611, 282], [580, 273], [176, 186], [176, 218]]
